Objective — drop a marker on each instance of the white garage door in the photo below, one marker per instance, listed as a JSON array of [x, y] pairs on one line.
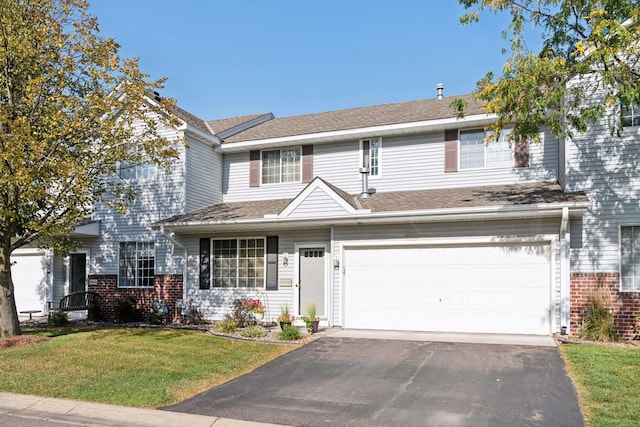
[[29, 280], [490, 289]]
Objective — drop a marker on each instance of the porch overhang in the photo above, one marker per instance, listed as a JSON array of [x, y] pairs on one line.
[[88, 229], [484, 213]]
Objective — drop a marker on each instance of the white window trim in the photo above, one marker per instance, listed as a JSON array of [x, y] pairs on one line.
[[361, 154], [461, 169], [155, 249], [151, 177], [620, 284], [631, 126], [296, 147], [237, 239]]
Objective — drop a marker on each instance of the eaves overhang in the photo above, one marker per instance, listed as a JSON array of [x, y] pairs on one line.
[[484, 213], [364, 132]]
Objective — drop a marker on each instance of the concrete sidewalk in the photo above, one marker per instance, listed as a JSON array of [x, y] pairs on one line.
[[98, 414]]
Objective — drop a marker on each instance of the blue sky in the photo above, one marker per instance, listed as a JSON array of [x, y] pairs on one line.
[[228, 58]]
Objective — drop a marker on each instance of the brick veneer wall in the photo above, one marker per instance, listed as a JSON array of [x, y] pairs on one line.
[[625, 305], [167, 287]]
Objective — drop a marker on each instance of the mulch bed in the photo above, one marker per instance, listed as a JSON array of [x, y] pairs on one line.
[[21, 340], [572, 339]]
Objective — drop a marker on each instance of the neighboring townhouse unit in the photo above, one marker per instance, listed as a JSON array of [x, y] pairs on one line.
[[395, 216]]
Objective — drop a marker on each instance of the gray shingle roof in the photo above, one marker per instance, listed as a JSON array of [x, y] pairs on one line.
[[190, 119], [221, 125], [376, 115], [421, 200]]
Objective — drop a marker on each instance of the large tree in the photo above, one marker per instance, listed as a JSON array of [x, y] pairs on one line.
[[70, 111], [589, 52]]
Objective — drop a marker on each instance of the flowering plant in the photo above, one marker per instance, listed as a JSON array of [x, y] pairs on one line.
[[253, 305], [285, 316]]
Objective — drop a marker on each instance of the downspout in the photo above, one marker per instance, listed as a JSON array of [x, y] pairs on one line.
[[565, 278], [185, 281]]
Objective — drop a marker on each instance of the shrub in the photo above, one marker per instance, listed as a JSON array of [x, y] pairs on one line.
[[127, 311], [195, 316], [95, 311], [227, 326], [239, 313], [156, 317], [289, 333], [57, 318], [598, 321], [253, 331]]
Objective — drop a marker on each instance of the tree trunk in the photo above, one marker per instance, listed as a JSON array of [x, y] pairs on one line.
[[9, 323]]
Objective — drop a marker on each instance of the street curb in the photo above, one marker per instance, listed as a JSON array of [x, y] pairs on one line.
[[52, 409]]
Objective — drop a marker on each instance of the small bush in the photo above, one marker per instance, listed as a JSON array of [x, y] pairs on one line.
[[127, 311], [95, 311], [289, 333], [598, 322], [239, 313], [253, 331], [156, 317], [227, 326], [57, 318], [195, 316]]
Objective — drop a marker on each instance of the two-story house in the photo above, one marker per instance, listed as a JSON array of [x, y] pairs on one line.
[[394, 216]]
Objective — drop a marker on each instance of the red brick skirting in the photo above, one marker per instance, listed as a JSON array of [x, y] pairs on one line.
[[167, 287], [625, 305]]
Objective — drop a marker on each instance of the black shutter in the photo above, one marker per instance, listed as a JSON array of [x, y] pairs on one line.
[[205, 263], [272, 263]]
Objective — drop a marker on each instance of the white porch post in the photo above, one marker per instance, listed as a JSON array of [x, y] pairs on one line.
[[565, 271]]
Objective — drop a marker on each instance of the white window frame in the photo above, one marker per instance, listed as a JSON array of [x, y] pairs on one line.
[[633, 113], [379, 157], [485, 150], [280, 150], [136, 269], [138, 172], [636, 286], [238, 267]]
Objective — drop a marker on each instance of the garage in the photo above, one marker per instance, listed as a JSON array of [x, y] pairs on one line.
[[472, 288], [29, 279]]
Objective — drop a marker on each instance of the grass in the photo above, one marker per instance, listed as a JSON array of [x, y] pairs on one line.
[[608, 383], [131, 367]]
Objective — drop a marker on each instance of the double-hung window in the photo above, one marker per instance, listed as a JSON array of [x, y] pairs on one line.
[[137, 264], [371, 155], [475, 153], [239, 263], [630, 115], [281, 165], [137, 171], [630, 258]]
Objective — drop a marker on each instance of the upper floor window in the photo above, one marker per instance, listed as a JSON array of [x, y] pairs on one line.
[[137, 264], [281, 165], [137, 171], [630, 115], [239, 263], [475, 153], [630, 258], [371, 155]]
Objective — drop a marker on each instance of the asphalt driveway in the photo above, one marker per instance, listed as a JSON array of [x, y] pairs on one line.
[[358, 382]]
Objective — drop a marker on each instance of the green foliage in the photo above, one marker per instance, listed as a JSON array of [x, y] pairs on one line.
[[311, 311], [598, 321], [592, 41], [156, 317], [240, 314], [227, 326], [285, 314], [71, 111], [195, 316], [289, 333], [133, 367], [57, 318], [253, 331], [127, 311]]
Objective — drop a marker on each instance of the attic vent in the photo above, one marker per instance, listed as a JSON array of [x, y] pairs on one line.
[[156, 95], [440, 89]]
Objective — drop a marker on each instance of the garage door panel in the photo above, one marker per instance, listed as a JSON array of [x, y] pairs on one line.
[[499, 288]]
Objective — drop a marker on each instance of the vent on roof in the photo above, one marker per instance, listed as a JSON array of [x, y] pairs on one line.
[[440, 89], [156, 95], [365, 194]]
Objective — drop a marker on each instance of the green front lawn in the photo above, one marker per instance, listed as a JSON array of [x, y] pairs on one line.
[[608, 383], [132, 367]]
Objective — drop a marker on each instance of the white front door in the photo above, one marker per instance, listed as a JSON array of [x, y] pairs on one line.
[[311, 279], [29, 274]]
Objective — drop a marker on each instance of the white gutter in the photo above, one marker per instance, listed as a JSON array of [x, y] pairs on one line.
[[433, 215], [565, 273], [399, 128], [185, 269]]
